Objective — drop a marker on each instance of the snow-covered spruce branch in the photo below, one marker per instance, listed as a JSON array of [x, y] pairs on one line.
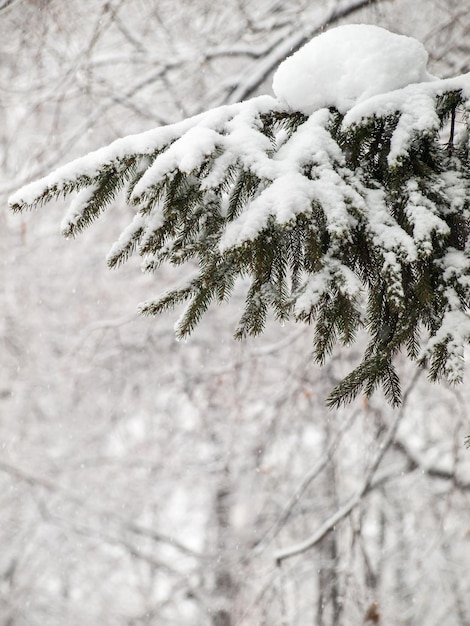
[[344, 200]]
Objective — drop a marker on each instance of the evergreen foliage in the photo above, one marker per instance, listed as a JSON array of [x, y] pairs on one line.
[[340, 221]]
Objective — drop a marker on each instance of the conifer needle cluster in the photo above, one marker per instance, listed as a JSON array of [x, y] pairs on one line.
[[343, 221]]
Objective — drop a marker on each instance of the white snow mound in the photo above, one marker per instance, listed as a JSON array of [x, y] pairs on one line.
[[347, 65]]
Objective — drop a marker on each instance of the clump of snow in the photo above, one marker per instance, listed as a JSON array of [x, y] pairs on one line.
[[333, 275], [289, 190], [194, 138], [76, 208], [347, 65]]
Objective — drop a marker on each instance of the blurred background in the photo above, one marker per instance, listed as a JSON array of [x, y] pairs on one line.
[[145, 481]]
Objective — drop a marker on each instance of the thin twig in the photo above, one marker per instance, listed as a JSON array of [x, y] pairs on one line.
[[54, 487]]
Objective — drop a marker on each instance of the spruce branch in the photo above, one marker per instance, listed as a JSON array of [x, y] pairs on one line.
[[338, 220]]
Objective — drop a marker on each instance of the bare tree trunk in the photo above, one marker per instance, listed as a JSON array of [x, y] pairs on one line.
[[329, 597], [224, 583]]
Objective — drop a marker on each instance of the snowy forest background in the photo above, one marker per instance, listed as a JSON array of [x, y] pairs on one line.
[[145, 481]]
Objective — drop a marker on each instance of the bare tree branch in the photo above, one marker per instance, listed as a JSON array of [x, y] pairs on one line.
[[306, 481], [352, 502], [440, 473], [54, 487], [6, 4], [247, 84]]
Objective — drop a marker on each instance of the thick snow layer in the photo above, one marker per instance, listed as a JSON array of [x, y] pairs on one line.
[[347, 65], [183, 146]]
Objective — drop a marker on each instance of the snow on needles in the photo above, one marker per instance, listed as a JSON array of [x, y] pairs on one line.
[[347, 65], [291, 161]]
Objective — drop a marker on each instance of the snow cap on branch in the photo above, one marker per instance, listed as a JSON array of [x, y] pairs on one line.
[[347, 65]]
